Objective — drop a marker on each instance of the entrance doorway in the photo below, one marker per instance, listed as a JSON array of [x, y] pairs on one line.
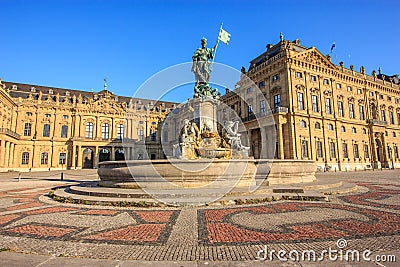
[[119, 154], [104, 155], [87, 156]]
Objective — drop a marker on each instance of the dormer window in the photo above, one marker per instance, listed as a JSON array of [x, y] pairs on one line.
[[51, 92], [28, 114], [14, 87], [47, 115], [33, 89], [67, 93]]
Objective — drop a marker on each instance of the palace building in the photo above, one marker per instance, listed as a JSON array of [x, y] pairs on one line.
[[293, 101], [342, 118], [46, 128]]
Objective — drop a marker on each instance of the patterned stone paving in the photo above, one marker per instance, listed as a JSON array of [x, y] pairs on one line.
[[368, 218]]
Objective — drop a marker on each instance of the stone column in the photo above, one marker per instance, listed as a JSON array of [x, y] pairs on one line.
[[264, 143], [73, 157], [281, 154], [12, 149], [112, 156], [79, 152], [6, 154], [1, 153], [95, 156]]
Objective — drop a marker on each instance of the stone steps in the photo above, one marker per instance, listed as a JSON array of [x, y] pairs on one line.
[[90, 193]]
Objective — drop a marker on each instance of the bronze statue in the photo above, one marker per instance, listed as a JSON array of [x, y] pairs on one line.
[[202, 69]]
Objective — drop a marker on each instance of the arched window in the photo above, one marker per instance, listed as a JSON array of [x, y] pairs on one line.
[[343, 129], [303, 124], [89, 130], [330, 126], [353, 130], [317, 125]]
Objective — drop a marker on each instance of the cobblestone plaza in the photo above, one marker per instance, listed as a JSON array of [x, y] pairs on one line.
[[56, 233]]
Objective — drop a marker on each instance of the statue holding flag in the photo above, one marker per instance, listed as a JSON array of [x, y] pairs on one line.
[[202, 67]]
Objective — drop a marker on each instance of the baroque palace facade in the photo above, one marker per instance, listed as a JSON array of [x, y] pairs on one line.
[[306, 108], [342, 118], [46, 128]]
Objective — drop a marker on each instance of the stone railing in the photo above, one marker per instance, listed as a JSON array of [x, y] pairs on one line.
[[266, 113], [374, 121], [9, 133]]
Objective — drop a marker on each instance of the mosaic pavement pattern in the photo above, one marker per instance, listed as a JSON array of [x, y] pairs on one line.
[[369, 219]]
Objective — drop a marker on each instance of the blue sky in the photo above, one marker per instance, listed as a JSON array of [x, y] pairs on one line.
[[75, 44]]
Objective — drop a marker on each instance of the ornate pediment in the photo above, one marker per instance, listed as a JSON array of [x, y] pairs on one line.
[[275, 90], [106, 105], [327, 93], [314, 90], [360, 101], [350, 99], [300, 87], [340, 97], [313, 56]]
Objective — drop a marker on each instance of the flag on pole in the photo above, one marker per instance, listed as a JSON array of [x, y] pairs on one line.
[[224, 36], [333, 46]]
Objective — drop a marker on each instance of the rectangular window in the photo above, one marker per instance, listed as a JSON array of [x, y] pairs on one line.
[[140, 134], [44, 158], [28, 128], [366, 152], [338, 86], [351, 110], [277, 101], [355, 151], [25, 158], [275, 77], [332, 149], [396, 152], [383, 115], [165, 136], [249, 90], [46, 130], [300, 100], [319, 149], [250, 109], [299, 75], [153, 136], [328, 106], [398, 118], [105, 131], [63, 158], [340, 109], [304, 148], [326, 81], [120, 131], [262, 106], [359, 91], [345, 152], [89, 130], [362, 115], [349, 89], [64, 131], [313, 78], [314, 100], [261, 84], [391, 117]]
